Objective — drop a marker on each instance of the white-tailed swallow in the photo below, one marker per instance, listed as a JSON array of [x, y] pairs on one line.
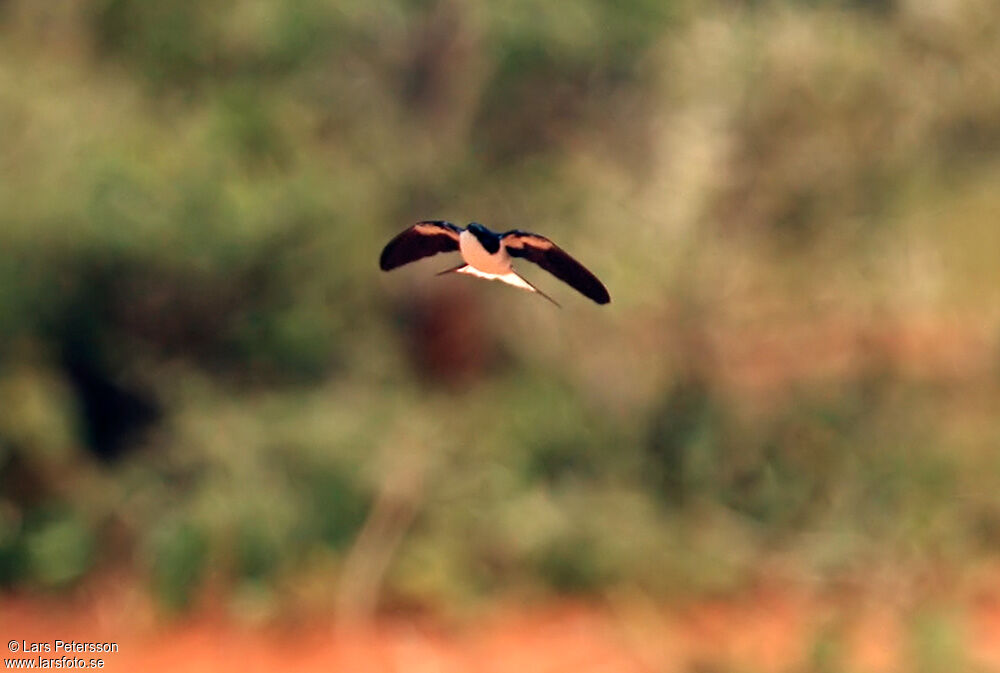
[[488, 254]]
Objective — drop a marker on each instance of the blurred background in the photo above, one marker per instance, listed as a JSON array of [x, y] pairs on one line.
[[208, 389]]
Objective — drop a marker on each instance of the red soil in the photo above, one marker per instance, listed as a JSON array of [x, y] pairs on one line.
[[769, 631]]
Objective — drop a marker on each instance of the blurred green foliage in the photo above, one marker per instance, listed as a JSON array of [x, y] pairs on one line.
[[177, 559], [200, 362], [58, 547], [937, 641]]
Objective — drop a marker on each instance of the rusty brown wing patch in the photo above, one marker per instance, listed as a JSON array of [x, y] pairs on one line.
[[556, 261], [421, 240]]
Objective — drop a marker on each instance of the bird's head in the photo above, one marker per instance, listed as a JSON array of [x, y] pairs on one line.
[[490, 240]]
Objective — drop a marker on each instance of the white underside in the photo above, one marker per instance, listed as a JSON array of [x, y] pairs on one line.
[[510, 277], [482, 264], [476, 256]]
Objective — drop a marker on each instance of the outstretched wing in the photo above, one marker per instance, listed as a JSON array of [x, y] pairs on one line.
[[421, 240], [556, 261]]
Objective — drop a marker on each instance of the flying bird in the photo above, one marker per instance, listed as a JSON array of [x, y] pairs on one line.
[[488, 254]]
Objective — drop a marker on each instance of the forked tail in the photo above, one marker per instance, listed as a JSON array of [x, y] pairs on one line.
[[511, 278]]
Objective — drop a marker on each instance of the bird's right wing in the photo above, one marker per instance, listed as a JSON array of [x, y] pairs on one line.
[[421, 240]]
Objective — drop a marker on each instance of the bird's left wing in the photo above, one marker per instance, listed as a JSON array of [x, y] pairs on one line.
[[421, 240], [556, 261]]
